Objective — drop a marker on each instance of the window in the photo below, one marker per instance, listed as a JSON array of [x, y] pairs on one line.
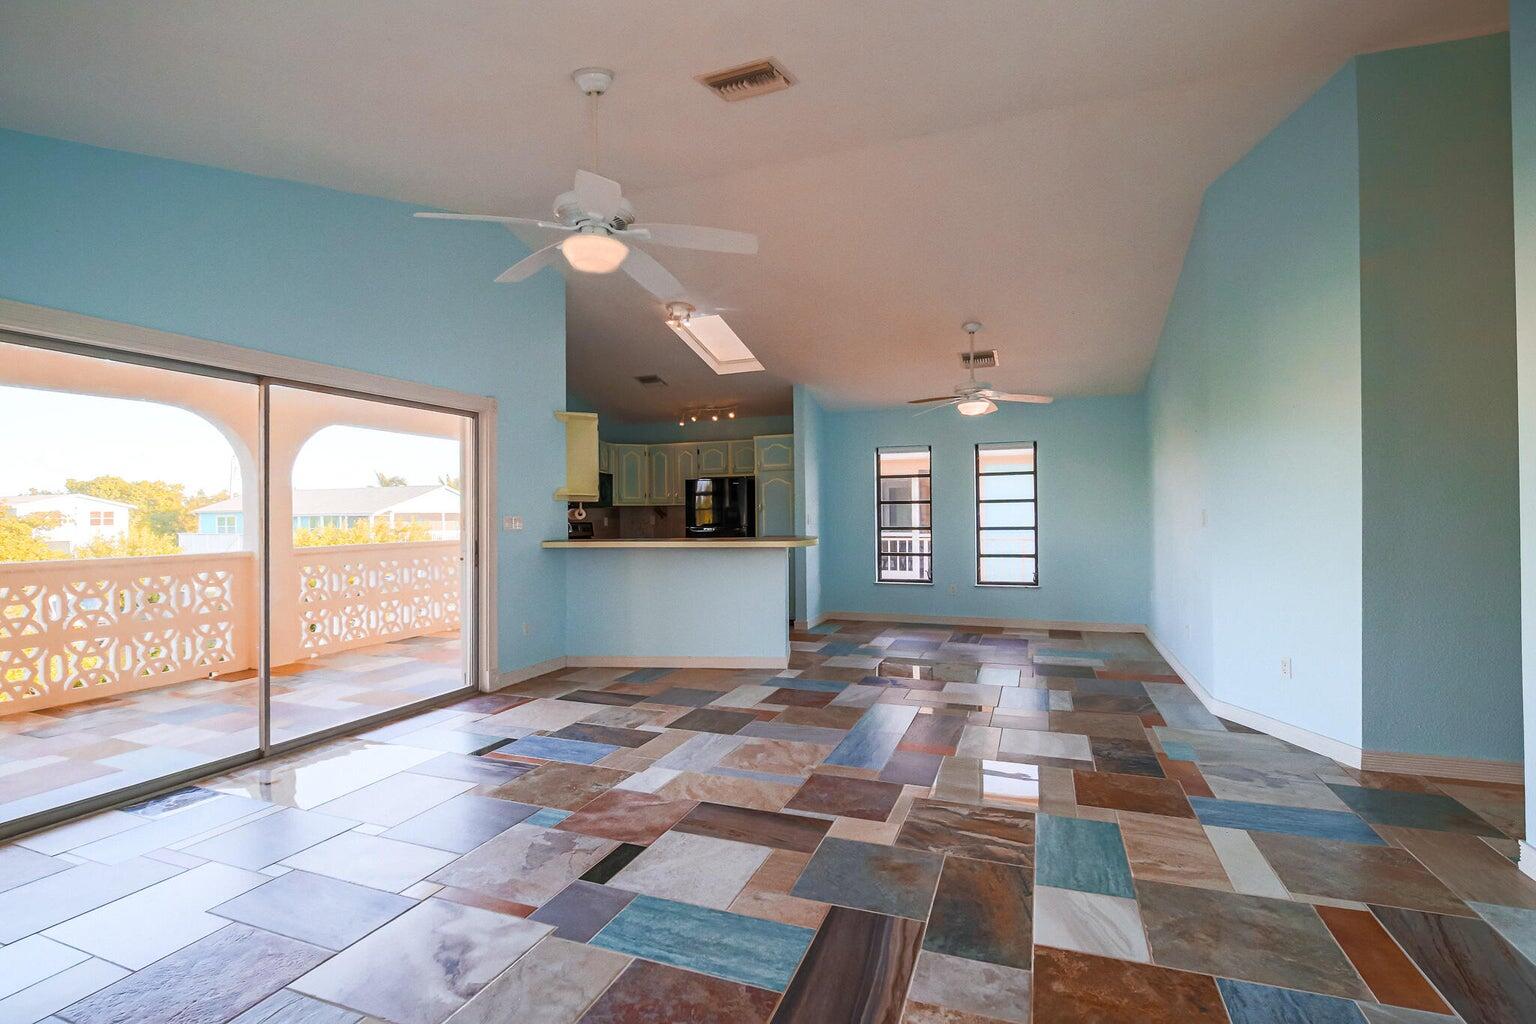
[[224, 524], [103, 518], [1005, 515], [904, 515]]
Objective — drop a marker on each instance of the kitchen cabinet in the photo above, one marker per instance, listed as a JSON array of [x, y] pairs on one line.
[[581, 456], [604, 457], [687, 466], [775, 451], [631, 474], [662, 473], [776, 503], [742, 457], [714, 459]]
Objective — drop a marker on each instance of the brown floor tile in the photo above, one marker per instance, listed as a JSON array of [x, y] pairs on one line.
[[1476, 970], [854, 798], [982, 910], [1175, 850], [1467, 865], [650, 993], [566, 786], [1354, 871], [1131, 793], [627, 816], [856, 971], [984, 833], [1075, 988], [764, 828], [1386, 969]]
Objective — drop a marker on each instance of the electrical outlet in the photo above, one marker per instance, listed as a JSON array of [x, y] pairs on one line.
[[1285, 668], [527, 629], [511, 523], [953, 590]]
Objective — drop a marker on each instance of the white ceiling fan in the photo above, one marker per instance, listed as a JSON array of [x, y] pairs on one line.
[[977, 398], [599, 224]]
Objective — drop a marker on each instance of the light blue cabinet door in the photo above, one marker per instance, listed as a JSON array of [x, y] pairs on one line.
[[662, 473], [775, 504], [743, 459], [775, 451], [604, 457], [685, 465], [632, 474], [714, 459]]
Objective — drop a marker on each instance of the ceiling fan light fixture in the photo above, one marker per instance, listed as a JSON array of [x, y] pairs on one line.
[[594, 253], [976, 407]]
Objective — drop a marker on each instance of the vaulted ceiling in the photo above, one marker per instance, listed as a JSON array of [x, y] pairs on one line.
[[1035, 165]]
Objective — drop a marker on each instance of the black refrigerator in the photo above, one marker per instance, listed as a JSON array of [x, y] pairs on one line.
[[721, 506]]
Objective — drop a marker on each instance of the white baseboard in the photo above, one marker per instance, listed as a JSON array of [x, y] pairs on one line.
[[976, 620], [1527, 859], [527, 672], [658, 661], [1342, 752]]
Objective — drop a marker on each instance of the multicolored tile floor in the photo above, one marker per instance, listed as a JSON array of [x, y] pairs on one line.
[[910, 824], [79, 751]]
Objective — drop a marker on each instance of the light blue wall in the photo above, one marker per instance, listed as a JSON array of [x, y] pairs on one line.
[[1442, 532], [1092, 513], [668, 432], [810, 423], [672, 604], [1254, 419], [1522, 70], [344, 279]]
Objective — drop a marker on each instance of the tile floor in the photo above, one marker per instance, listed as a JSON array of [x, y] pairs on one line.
[[987, 826], [54, 757]]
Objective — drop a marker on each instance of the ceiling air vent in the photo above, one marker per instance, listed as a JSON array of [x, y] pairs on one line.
[[747, 80], [650, 380], [983, 360]]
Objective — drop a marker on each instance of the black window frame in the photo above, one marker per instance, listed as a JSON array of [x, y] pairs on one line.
[[1033, 471], [881, 529]]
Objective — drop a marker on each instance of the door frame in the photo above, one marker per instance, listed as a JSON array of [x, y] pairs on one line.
[[191, 354]]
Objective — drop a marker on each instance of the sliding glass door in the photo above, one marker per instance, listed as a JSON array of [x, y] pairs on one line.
[[370, 536], [199, 567]]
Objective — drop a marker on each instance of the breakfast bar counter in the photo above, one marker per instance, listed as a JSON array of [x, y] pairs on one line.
[[676, 602]]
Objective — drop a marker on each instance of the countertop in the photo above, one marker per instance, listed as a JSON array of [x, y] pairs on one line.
[[684, 542]]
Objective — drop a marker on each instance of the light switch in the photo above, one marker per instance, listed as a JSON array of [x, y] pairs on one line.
[[511, 523]]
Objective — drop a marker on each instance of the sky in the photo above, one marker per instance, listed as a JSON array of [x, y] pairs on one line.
[[53, 436]]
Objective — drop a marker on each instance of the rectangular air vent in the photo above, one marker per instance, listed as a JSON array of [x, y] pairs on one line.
[[650, 380], [747, 80], [986, 359]]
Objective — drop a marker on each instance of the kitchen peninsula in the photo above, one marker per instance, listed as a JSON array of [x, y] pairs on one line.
[[676, 602]]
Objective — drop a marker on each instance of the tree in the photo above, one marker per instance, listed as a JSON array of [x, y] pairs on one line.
[[450, 482], [162, 508], [139, 541], [18, 536], [380, 531], [385, 480]]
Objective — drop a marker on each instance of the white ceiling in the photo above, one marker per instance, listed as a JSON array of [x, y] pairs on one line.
[[1035, 165]]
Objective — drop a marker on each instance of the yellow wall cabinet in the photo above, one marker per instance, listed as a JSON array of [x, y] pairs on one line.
[[580, 456]]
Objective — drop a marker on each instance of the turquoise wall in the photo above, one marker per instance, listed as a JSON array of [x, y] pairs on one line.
[[344, 279], [671, 604], [1439, 424], [1092, 513], [810, 424], [1522, 73], [1254, 422], [1332, 417]]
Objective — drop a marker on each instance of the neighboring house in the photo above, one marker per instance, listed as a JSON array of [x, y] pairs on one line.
[[221, 526], [85, 518]]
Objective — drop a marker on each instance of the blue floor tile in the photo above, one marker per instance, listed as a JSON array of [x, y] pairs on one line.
[[549, 817], [1248, 1003], [644, 675], [552, 748], [1081, 854], [731, 946], [801, 683], [1295, 821], [873, 739], [1179, 751]]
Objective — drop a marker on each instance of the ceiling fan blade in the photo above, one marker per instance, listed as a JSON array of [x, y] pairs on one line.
[[530, 264], [492, 218], [925, 401], [687, 236], [1003, 396], [931, 408], [653, 277], [598, 195]]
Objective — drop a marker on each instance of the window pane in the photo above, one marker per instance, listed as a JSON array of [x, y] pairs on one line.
[[903, 463], [1007, 542], [906, 543], [906, 568], [1006, 458], [993, 488], [1014, 516], [904, 488], [905, 515], [1006, 570]]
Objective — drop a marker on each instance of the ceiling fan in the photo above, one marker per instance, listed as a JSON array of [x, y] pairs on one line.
[[599, 224], [977, 398]]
